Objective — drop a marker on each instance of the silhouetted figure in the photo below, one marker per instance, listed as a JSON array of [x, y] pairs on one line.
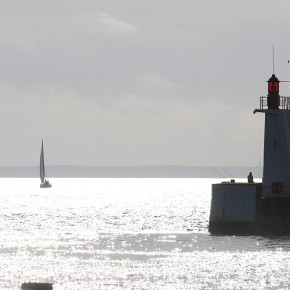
[[36, 286], [250, 178]]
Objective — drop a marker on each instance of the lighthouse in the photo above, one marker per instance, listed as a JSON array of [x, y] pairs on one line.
[[276, 171], [260, 208]]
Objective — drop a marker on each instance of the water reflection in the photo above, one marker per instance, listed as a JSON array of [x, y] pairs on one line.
[[128, 234]]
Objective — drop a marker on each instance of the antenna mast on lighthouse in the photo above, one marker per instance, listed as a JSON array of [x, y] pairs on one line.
[[273, 57]]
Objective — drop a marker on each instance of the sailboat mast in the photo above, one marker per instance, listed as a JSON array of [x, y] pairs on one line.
[[41, 167]]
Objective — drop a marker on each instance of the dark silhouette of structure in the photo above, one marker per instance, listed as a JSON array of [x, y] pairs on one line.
[[36, 286], [260, 208]]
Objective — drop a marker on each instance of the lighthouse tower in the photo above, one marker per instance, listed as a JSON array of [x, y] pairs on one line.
[[276, 172], [251, 207]]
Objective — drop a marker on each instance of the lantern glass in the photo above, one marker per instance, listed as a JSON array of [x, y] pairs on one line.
[[273, 87]]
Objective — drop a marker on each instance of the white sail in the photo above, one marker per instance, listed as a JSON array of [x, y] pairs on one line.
[[41, 167]]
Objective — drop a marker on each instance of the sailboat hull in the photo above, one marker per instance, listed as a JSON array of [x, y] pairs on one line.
[[45, 184]]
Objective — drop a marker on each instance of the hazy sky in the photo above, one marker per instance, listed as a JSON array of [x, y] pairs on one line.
[[128, 82]]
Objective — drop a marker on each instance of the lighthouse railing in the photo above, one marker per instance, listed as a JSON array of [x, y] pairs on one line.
[[284, 103]]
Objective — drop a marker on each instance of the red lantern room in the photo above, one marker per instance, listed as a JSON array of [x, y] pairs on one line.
[[273, 92], [273, 84]]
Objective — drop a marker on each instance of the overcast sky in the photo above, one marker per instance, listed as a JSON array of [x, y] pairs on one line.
[[127, 82]]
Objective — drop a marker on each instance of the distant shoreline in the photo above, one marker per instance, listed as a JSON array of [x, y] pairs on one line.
[[133, 171]]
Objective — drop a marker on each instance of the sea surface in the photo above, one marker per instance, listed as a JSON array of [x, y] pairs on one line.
[[108, 233]]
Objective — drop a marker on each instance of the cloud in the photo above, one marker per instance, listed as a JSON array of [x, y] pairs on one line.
[[107, 22], [103, 85], [19, 38], [135, 129], [155, 80]]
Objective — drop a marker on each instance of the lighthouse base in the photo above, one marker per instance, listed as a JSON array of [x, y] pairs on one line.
[[273, 215], [240, 209], [232, 228]]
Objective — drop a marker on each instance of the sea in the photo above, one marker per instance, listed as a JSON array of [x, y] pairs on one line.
[[128, 233]]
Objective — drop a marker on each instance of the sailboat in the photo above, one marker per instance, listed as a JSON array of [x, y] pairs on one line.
[[44, 182]]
